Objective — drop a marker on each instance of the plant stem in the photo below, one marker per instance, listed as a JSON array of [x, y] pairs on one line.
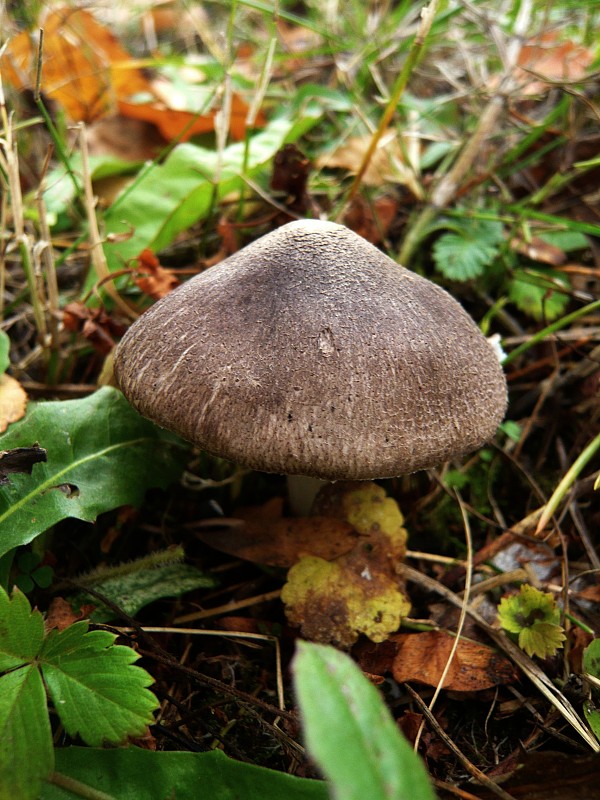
[[78, 788], [56, 138], [554, 326], [567, 481]]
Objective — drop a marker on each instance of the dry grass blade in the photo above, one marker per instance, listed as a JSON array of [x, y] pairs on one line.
[[97, 253], [461, 619]]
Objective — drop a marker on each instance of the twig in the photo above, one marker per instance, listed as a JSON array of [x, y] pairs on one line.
[[228, 607], [449, 183], [539, 336], [227, 634], [96, 250]]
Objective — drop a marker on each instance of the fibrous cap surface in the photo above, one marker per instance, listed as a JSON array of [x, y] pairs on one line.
[[311, 352]]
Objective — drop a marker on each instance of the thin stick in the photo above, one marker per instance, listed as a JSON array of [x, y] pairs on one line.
[[78, 788], [96, 250], [228, 607], [232, 635], [449, 183], [539, 336], [469, 766]]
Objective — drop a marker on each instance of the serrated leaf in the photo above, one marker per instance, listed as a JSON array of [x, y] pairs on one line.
[[542, 639], [21, 631], [98, 692], [191, 179], [26, 752], [350, 733], [131, 592], [132, 774], [533, 616], [536, 298], [101, 455], [464, 253]]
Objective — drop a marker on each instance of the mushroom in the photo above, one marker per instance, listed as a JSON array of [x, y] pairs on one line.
[[310, 352]]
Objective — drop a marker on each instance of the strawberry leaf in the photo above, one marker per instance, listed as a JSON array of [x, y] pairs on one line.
[[534, 618], [97, 690], [463, 253], [26, 755]]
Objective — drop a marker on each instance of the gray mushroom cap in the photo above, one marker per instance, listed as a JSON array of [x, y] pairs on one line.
[[311, 352]]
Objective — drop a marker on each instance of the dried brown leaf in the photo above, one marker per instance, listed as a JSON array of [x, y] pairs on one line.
[[13, 401], [538, 250], [280, 542], [422, 658], [154, 280]]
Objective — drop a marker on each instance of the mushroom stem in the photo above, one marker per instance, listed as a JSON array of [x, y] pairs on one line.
[[302, 491]]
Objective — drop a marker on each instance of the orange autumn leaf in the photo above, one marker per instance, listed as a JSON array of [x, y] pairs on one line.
[[181, 125], [278, 542], [154, 280], [88, 72], [422, 657], [95, 324], [85, 69]]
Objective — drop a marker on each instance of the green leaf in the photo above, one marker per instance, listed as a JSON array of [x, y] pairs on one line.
[[21, 631], [98, 693], [591, 659], [4, 352], [542, 639], [350, 733], [101, 455], [535, 618], [511, 429], [566, 240], [60, 194], [131, 774], [26, 753], [591, 666], [532, 294], [132, 591], [473, 245], [97, 690], [592, 715], [191, 180]]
